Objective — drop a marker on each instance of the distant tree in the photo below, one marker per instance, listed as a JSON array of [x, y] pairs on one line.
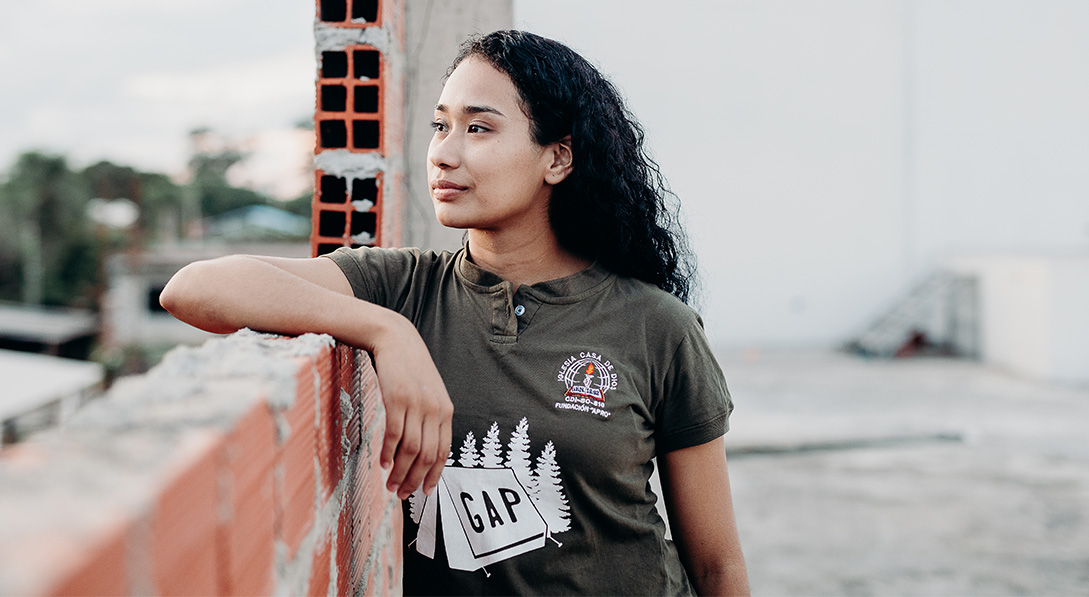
[[51, 250], [161, 207], [43, 204], [300, 205], [212, 155]]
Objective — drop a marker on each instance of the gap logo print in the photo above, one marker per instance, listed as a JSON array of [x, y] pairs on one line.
[[587, 377], [495, 504]]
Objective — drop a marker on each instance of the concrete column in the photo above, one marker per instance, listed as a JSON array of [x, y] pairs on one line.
[[433, 31]]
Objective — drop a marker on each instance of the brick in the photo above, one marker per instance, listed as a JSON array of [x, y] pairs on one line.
[[329, 454], [249, 530], [102, 573], [294, 480], [184, 520], [319, 568], [345, 548]]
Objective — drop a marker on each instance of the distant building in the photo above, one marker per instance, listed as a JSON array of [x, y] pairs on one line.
[[131, 315], [53, 331], [41, 390], [258, 222]]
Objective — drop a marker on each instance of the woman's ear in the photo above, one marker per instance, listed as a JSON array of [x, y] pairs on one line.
[[562, 161]]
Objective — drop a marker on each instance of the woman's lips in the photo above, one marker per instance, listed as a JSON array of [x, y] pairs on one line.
[[444, 190]]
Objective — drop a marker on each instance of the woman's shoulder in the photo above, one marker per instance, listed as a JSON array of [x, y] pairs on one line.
[[647, 301], [397, 258], [381, 275]]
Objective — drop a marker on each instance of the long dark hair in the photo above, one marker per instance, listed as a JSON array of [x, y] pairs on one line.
[[613, 206]]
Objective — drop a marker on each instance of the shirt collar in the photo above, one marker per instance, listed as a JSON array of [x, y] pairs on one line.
[[561, 290]]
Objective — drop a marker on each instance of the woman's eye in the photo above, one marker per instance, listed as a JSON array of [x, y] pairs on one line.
[[438, 126], [475, 128]]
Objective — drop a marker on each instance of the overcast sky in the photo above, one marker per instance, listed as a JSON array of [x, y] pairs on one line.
[[125, 80]]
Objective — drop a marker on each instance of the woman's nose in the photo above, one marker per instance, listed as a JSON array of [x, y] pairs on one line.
[[443, 152]]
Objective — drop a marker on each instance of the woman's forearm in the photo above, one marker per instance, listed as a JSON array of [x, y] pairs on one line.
[[226, 294]]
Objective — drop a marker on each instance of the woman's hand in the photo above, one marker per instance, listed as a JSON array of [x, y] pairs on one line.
[[701, 516], [418, 411], [296, 296]]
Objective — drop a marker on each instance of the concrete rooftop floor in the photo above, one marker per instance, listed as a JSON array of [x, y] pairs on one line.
[[906, 477]]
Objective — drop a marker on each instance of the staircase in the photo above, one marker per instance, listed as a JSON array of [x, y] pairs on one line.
[[937, 315]]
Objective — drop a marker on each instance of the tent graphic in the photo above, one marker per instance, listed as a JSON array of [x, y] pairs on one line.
[[487, 516]]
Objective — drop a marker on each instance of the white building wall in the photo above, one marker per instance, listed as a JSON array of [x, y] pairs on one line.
[[1000, 126], [1070, 350], [827, 153], [1032, 313]]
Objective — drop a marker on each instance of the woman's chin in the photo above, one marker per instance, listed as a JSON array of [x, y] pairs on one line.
[[447, 216]]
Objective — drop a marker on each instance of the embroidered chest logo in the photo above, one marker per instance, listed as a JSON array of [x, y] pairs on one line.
[[587, 376]]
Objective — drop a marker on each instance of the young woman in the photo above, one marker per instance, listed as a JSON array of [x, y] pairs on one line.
[[559, 332]]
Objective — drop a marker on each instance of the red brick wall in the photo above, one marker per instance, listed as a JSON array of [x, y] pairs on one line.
[[245, 466]]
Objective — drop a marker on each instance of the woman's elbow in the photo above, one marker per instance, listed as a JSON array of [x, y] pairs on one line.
[[187, 297], [179, 290]]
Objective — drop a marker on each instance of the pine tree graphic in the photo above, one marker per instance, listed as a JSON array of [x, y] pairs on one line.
[[491, 456], [549, 492], [518, 453], [469, 457], [415, 506]]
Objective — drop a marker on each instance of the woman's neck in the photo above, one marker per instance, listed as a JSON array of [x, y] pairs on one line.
[[523, 259]]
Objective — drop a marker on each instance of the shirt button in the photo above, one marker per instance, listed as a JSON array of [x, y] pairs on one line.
[[520, 310]]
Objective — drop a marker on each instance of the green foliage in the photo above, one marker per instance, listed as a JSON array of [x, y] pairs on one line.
[[51, 251], [216, 199], [43, 204], [300, 206]]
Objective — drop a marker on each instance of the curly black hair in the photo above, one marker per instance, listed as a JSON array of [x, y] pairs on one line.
[[614, 206]]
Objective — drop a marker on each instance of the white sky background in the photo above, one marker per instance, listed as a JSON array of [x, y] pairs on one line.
[[126, 80]]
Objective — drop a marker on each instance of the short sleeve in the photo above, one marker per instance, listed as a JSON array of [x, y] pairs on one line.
[[696, 404], [377, 275]]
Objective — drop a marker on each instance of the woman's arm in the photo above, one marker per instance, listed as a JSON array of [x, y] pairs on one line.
[[296, 296], [701, 516]]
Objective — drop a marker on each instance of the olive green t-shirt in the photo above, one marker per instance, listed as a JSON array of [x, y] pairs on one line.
[[563, 392]]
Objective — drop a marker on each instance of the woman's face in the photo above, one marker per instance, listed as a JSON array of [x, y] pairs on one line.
[[485, 170]]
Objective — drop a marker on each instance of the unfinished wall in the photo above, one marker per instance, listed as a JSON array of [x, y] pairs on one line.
[[246, 466], [358, 157]]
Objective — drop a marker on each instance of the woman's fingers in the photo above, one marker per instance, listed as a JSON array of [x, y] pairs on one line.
[[417, 440], [395, 425], [425, 459], [408, 448], [432, 478]]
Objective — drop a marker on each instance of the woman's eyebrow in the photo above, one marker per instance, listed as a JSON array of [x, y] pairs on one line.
[[471, 109]]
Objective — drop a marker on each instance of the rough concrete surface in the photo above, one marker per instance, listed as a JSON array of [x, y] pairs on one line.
[[907, 477]]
